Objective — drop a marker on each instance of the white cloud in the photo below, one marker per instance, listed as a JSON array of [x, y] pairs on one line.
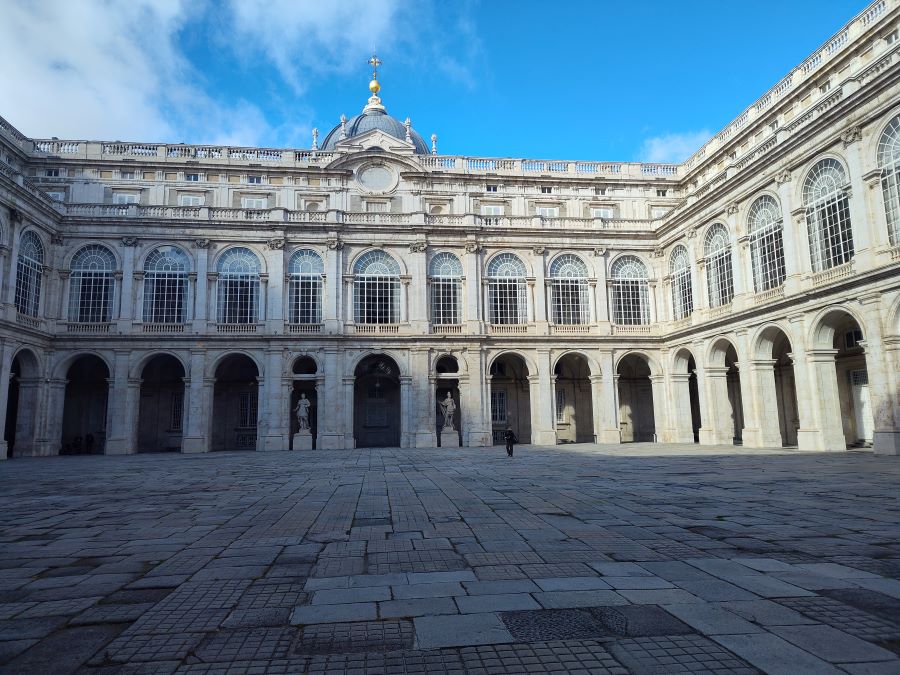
[[673, 147]]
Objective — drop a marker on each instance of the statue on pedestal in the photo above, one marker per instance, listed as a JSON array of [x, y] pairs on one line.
[[448, 406], [302, 412]]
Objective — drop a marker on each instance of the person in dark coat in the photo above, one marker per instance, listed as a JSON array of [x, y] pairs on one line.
[[510, 438]]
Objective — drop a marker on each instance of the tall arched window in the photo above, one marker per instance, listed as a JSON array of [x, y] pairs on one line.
[[376, 289], [29, 266], [305, 270], [630, 291], [165, 285], [92, 284], [569, 290], [238, 286], [445, 278], [766, 246], [682, 287], [889, 163], [828, 215], [719, 277], [507, 301]]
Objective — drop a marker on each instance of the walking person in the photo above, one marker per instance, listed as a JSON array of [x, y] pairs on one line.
[[510, 438]]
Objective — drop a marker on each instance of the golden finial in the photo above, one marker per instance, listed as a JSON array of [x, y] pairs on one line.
[[374, 86]]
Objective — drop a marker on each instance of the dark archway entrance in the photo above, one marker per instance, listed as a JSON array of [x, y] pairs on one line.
[[637, 420], [510, 398], [161, 415], [694, 398], [235, 415], [785, 391], [573, 407], [85, 408], [733, 378], [376, 403]]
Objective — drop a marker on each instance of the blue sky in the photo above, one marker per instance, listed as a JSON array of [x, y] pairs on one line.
[[577, 80]]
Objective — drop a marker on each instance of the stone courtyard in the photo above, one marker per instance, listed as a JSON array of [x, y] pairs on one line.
[[582, 558]]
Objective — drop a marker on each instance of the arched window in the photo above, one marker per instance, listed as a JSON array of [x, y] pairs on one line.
[[91, 285], [445, 278], [766, 246], [682, 287], [305, 270], [376, 289], [889, 163], [828, 215], [569, 290], [719, 277], [29, 266], [506, 290], [238, 286], [165, 285], [630, 291]]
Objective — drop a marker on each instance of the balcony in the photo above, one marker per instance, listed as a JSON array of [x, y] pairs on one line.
[[303, 328], [163, 328], [446, 329], [771, 295], [374, 329], [236, 328], [509, 329], [88, 328], [831, 275], [643, 329], [28, 321], [570, 329]]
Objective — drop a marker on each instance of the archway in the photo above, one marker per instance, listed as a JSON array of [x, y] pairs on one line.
[[22, 404], [685, 398], [305, 372], [85, 407], [785, 390], [573, 408], [446, 382], [376, 402], [161, 413], [723, 394], [510, 398], [637, 420], [235, 407], [733, 377]]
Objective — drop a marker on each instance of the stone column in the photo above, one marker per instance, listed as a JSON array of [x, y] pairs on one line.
[[122, 400], [350, 407], [27, 418], [474, 291], [333, 404], [540, 291], [651, 294], [9, 273], [475, 401], [407, 405], [541, 400], [705, 434], [606, 401], [790, 236], [422, 389], [274, 317], [6, 357], [883, 385], [762, 430], [201, 303], [126, 298], [679, 395], [821, 391], [417, 290], [49, 438], [601, 296], [276, 424], [720, 429], [739, 259], [198, 405], [883, 441], [660, 408], [332, 291], [862, 224]]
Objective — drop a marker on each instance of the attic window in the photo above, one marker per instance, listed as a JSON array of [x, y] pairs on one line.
[[254, 179], [490, 188], [661, 193], [546, 190]]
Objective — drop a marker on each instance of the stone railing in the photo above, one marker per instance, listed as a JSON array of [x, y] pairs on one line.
[[569, 329], [303, 328], [643, 329], [374, 329], [770, 295], [549, 168], [446, 329], [236, 327], [509, 328], [28, 321], [830, 275], [91, 328], [167, 328]]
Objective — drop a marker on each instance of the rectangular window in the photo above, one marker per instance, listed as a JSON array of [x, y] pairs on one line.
[[164, 297], [190, 200], [255, 180], [127, 175], [658, 211], [124, 198], [445, 301], [58, 196], [305, 299], [507, 301], [376, 299], [177, 411], [604, 212], [253, 202], [548, 211], [560, 406], [569, 302], [238, 297], [490, 188], [491, 210], [192, 177], [51, 173], [247, 410], [377, 207], [498, 407], [661, 193], [853, 338], [546, 190]]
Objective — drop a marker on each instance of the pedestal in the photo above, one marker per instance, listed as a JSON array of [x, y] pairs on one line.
[[449, 438], [303, 440]]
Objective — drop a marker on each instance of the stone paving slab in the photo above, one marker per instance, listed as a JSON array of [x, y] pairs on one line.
[[430, 561]]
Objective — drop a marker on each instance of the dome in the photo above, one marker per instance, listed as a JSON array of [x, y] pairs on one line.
[[375, 118]]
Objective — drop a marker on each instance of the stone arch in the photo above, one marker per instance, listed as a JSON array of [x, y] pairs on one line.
[[636, 412], [825, 323], [75, 248], [529, 270], [160, 420], [651, 361], [680, 358], [446, 363], [395, 255], [530, 365], [138, 366], [30, 358], [85, 420], [213, 365], [395, 355], [776, 390], [253, 248], [235, 400], [22, 403], [305, 364], [573, 400], [151, 247], [763, 339], [871, 140], [802, 172], [510, 374], [892, 326], [723, 392], [62, 366], [746, 206], [593, 365], [685, 395], [377, 401], [718, 348]]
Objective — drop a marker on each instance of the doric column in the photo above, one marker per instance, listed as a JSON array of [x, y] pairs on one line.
[[333, 404], [475, 398], [660, 408], [50, 422], [705, 435], [606, 401], [404, 298], [276, 432], [200, 298], [600, 291], [681, 420], [9, 269], [541, 398], [407, 405], [422, 389], [821, 391], [29, 411], [6, 357], [720, 428], [198, 405], [274, 317], [331, 293], [122, 398], [540, 290], [739, 258], [417, 291], [126, 297], [761, 412], [473, 287], [654, 316], [883, 384], [350, 406]]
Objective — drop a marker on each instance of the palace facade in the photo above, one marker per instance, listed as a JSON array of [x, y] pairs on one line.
[[160, 296]]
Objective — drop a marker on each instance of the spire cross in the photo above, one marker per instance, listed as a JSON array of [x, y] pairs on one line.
[[374, 62]]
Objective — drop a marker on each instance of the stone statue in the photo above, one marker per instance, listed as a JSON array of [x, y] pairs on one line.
[[302, 412], [448, 405]]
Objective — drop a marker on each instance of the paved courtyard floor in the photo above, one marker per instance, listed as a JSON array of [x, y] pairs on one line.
[[583, 558]]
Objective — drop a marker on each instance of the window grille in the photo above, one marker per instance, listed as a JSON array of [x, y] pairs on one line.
[[305, 270], [91, 285], [569, 299], [498, 407], [766, 245], [506, 290], [682, 286], [248, 402], [177, 411], [29, 266], [445, 272], [376, 289], [889, 163], [859, 378], [828, 215], [238, 287], [560, 406], [165, 285], [630, 292], [719, 277]]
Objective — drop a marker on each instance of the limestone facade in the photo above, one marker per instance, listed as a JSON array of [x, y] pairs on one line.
[[163, 296]]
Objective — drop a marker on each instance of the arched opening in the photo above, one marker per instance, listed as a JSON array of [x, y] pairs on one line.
[[637, 421], [694, 398], [852, 379], [723, 381], [235, 404], [448, 415], [21, 405], [735, 401], [161, 413], [304, 371], [685, 398], [573, 407], [84, 410], [510, 398], [376, 402]]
